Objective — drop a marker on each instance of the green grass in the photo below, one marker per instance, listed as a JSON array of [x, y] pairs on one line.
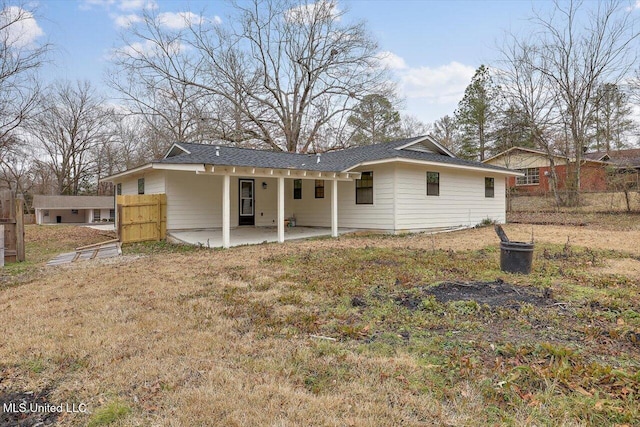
[[112, 412]]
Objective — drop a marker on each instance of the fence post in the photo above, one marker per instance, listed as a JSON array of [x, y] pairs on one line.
[[1, 246], [19, 207], [159, 213]]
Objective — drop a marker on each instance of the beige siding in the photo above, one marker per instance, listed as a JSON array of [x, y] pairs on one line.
[[66, 216], [461, 202], [309, 211], [154, 183], [523, 160], [379, 215], [266, 201], [193, 201]]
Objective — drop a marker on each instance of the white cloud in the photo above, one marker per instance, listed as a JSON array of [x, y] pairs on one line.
[[129, 5], [322, 9], [430, 92], [179, 20], [392, 61], [124, 5], [146, 48], [443, 84], [126, 20], [19, 26]]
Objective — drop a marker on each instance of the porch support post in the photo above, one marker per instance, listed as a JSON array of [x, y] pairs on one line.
[[334, 208], [226, 211], [280, 209]]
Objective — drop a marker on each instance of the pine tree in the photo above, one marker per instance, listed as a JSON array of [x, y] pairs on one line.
[[374, 120], [476, 113], [612, 118]]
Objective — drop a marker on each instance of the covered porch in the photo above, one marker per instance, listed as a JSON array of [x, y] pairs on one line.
[[247, 235], [242, 196]]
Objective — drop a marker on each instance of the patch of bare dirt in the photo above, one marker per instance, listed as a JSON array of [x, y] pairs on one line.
[[493, 294], [26, 409]]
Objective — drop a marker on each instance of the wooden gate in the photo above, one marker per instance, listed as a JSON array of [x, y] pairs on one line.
[[11, 217], [141, 218]]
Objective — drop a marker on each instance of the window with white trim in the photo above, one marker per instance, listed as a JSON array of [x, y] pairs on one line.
[[364, 189], [531, 176]]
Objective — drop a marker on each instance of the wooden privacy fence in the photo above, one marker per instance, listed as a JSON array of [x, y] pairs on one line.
[[12, 221], [141, 218]]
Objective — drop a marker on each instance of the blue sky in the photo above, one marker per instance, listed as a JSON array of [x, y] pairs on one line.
[[433, 46]]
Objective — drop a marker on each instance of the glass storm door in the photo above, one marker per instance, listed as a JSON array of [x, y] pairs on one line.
[[247, 211]]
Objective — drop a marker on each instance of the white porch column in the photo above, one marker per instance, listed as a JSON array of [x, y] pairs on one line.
[[334, 208], [280, 209], [226, 211]]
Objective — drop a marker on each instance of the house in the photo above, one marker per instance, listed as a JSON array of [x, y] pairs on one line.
[[408, 185], [73, 209], [536, 169], [624, 161]]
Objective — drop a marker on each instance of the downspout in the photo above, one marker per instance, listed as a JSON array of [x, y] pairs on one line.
[[395, 198]]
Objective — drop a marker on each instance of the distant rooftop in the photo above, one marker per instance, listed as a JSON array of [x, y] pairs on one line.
[[73, 202]]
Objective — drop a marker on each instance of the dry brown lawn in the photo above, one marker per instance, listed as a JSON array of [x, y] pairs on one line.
[[211, 337]]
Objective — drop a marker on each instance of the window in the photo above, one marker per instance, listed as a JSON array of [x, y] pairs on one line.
[[364, 189], [531, 176], [141, 186], [433, 183], [74, 211], [96, 215], [297, 189], [118, 189], [489, 186], [319, 188], [112, 214]]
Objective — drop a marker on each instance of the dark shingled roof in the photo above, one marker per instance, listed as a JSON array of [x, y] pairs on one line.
[[332, 161], [620, 158]]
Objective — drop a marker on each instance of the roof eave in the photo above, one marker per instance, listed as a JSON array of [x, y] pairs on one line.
[[189, 167], [505, 172]]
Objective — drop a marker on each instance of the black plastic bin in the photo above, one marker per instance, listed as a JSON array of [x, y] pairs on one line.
[[516, 257]]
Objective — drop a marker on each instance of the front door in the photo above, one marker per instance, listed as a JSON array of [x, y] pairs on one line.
[[247, 211]]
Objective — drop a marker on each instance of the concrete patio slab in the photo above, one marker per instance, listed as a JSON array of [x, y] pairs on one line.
[[248, 235]]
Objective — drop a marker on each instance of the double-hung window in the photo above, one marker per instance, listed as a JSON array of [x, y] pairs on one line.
[[489, 187], [433, 183], [364, 189]]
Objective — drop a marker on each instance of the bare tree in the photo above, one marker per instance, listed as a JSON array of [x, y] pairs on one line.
[[446, 131], [526, 90], [170, 110], [574, 50], [20, 58], [411, 126], [287, 70], [16, 170], [72, 123]]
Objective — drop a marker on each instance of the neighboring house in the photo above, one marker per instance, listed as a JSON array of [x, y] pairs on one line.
[[407, 185], [73, 209], [624, 161], [536, 169]]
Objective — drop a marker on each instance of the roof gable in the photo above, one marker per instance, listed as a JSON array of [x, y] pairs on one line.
[[175, 150], [426, 144]]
